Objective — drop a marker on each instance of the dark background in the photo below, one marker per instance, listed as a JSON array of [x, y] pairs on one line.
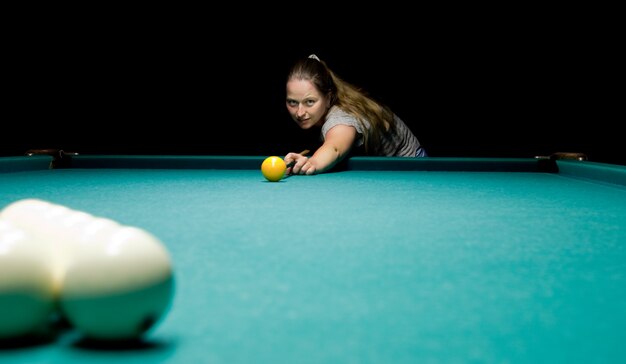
[[514, 83]]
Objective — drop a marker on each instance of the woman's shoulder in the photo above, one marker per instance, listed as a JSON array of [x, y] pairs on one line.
[[337, 115], [337, 112]]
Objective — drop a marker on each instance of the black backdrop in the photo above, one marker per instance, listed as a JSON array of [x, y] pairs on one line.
[[511, 87]]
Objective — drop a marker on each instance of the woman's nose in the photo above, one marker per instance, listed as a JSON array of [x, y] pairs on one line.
[[300, 112]]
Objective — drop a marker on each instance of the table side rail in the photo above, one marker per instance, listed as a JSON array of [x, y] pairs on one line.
[[602, 172], [615, 174], [21, 164], [451, 164], [354, 163]]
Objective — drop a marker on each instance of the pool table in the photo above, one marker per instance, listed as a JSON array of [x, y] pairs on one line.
[[385, 260]]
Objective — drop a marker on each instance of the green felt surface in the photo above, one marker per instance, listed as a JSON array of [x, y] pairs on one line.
[[363, 266]]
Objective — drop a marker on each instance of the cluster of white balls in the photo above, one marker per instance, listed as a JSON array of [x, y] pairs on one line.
[[107, 280]]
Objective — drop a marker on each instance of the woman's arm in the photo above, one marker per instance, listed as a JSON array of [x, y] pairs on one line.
[[337, 144]]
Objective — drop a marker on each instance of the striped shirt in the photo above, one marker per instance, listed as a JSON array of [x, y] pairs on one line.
[[401, 142]]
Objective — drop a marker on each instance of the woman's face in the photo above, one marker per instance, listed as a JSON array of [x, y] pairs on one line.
[[306, 105]]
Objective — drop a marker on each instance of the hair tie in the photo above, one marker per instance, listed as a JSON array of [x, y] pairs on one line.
[[314, 57]]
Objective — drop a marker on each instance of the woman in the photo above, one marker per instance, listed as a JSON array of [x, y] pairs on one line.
[[348, 118]]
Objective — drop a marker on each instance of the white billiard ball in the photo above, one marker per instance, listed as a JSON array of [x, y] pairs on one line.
[[27, 299], [31, 211], [51, 223], [110, 281], [118, 284]]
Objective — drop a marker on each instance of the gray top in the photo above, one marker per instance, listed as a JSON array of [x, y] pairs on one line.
[[400, 143]]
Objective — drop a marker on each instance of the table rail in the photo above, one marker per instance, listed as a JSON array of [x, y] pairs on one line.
[[609, 173]]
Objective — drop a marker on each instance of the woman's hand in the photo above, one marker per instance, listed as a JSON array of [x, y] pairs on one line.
[[298, 163]]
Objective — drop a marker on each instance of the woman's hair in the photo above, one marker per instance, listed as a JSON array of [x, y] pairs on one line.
[[347, 97]]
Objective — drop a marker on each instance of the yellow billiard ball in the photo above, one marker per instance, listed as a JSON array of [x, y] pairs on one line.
[[273, 168]]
